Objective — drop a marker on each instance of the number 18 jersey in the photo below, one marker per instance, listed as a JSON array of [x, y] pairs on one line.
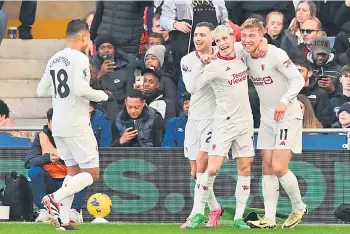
[[67, 78]]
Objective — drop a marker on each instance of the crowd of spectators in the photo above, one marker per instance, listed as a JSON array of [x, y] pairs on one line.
[[151, 103]]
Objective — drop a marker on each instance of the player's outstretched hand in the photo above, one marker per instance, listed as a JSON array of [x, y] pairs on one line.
[[90, 49], [128, 135], [206, 58], [261, 51], [110, 95], [279, 112], [54, 157]]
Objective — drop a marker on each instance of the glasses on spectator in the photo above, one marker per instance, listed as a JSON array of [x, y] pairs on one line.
[[308, 31], [108, 47]]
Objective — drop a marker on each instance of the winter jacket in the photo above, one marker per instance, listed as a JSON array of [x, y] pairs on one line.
[[175, 132], [289, 43], [276, 42], [101, 127], [119, 82], [320, 103], [342, 44], [157, 101], [149, 126], [336, 102], [327, 12], [331, 69], [343, 14], [123, 20]]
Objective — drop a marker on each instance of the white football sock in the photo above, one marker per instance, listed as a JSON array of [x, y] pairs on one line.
[[270, 188], [74, 185], [290, 184], [199, 177], [242, 195], [203, 192], [66, 203]]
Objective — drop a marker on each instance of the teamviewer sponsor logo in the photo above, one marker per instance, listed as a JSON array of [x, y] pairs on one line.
[[261, 81]]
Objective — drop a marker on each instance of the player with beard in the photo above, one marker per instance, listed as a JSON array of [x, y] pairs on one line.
[[277, 82], [233, 122]]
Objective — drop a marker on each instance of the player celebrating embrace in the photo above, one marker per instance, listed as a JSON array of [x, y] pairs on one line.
[[278, 82], [67, 76]]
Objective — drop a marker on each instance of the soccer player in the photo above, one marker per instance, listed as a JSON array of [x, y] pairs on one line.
[[278, 82], [67, 77], [199, 125], [232, 126]]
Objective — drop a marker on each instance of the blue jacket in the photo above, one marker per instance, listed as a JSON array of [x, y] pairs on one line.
[[101, 127], [175, 132]]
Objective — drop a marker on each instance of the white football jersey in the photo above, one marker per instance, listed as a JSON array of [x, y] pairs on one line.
[[67, 78], [276, 79]]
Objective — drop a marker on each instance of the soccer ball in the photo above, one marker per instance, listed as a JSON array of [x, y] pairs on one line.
[[99, 205]]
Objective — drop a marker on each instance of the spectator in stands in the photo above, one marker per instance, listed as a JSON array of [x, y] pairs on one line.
[[157, 29], [309, 120], [5, 120], [175, 130], [274, 26], [154, 98], [3, 24], [325, 68], [26, 17], [100, 125], [89, 17], [114, 74], [47, 172], [343, 14], [181, 18], [123, 21], [293, 40], [342, 45], [137, 125], [344, 96], [317, 96], [344, 115]]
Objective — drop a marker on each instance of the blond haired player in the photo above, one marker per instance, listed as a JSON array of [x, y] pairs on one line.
[[278, 82], [233, 123]]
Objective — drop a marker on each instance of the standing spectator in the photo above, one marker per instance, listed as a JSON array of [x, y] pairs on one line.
[[154, 98], [324, 65], [344, 96], [47, 172], [5, 120], [181, 18], [115, 76], [26, 17], [157, 29], [342, 45], [317, 96], [274, 26], [344, 115], [175, 130], [100, 125], [3, 24], [309, 118], [123, 21], [89, 17], [137, 125]]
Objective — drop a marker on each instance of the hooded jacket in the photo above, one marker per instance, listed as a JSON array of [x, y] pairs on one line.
[[342, 44], [175, 132], [101, 127], [336, 102]]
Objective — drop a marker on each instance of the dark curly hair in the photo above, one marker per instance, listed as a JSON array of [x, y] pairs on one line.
[[4, 109]]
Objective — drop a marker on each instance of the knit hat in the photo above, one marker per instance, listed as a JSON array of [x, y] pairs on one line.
[[320, 45], [344, 107], [158, 51], [186, 97], [105, 39]]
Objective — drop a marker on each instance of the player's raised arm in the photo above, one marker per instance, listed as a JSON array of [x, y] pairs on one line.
[[44, 86], [290, 71], [81, 82]]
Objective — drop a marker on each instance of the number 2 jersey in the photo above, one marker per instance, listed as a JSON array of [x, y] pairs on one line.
[[276, 79], [67, 79]]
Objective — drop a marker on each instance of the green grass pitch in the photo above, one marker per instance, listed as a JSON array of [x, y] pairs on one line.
[[132, 228]]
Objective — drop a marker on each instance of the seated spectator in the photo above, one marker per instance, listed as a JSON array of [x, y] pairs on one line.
[[317, 96], [113, 73], [47, 172], [89, 18], [175, 130], [100, 125], [5, 120], [3, 24], [274, 26], [293, 41], [342, 45], [341, 97], [344, 115], [309, 120], [154, 98], [137, 125], [324, 65]]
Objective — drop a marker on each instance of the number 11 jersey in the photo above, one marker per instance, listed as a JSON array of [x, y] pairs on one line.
[[67, 78]]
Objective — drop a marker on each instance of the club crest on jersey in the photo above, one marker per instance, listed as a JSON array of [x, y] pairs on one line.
[[288, 63], [263, 67]]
